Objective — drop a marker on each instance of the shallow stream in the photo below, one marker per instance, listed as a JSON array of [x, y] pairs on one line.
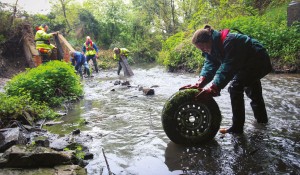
[[126, 125]]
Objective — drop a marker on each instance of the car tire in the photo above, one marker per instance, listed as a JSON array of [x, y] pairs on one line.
[[189, 121]]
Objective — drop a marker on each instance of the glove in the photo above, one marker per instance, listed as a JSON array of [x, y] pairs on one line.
[[213, 90], [201, 82], [199, 85]]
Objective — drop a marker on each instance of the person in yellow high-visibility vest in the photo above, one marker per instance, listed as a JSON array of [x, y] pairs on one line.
[[119, 54], [42, 39], [90, 50]]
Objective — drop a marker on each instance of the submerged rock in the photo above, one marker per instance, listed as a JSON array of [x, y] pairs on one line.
[[148, 91], [125, 83], [118, 82]]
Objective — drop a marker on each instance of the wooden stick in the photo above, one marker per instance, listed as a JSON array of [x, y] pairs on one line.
[[109, 172], [42, 123]]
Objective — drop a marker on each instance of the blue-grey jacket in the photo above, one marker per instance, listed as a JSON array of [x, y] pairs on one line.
[[78, 60]]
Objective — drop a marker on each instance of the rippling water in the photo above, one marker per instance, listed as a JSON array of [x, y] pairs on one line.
[[127, 125]]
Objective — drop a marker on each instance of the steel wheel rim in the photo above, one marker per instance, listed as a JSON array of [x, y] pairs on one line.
[[193, 119]]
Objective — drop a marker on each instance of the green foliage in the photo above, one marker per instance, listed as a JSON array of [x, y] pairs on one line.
[[4, 24], [145, 50], [214, 12], [106, 59], [271, 29], [166, 57], [141, 25], [52, 20], [179, 53], [13, 107], [91, 25], [173, 41], [52, 83]]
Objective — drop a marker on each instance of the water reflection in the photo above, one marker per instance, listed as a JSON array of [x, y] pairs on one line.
[[127, 125], [236, 154], [203, 159]]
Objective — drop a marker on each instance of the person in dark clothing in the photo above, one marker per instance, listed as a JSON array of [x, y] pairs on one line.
[[238, 59], [78, 60]]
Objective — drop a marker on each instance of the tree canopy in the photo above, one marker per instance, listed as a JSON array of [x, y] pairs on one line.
[[147, 26]]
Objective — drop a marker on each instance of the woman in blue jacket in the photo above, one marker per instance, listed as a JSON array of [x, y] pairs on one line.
[[236, 58]]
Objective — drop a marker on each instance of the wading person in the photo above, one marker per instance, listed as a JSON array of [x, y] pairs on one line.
[[238, 59], [78, 60], [90, 50], [42, 42], [120, 54]]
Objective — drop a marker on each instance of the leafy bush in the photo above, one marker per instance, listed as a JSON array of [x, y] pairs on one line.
[[13, 107], [145, 50], [271, 29], [106, 59], [166, 56], [180, 54], [52, 83], [174, 40], [5, 21]]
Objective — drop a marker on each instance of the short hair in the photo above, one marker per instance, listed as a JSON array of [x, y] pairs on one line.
[[71, 53], [44, 25], [88, 37], [116, 49]]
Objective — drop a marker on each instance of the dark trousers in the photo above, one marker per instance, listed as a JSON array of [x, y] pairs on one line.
[[93, 57], [119, 67], [254, 92], [248, 81], [78, 68], [45, 57]]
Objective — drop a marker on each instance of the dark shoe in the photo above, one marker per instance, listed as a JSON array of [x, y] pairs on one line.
[[231, 130]]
